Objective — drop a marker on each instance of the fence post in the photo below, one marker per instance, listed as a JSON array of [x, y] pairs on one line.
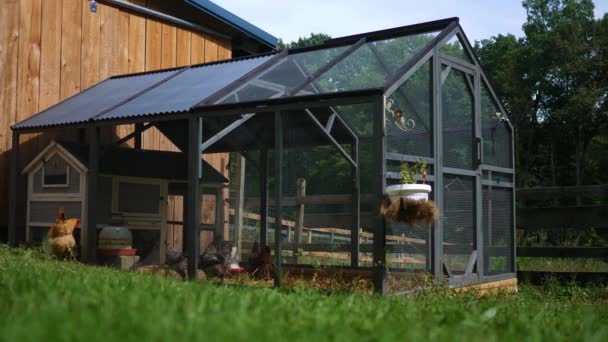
[[300, 194], [240, 201]]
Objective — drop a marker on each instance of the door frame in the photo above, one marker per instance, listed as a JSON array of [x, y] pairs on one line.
[[474, 270]]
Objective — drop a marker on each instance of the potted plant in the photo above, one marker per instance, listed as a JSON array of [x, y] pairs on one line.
[[408, 188]]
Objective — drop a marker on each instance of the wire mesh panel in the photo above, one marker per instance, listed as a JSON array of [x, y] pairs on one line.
[[458, 114], [454, 48], [496, 133], [408, 253], [498, 230], [458, 221], [318, 187], [409, 126], [364, 67]]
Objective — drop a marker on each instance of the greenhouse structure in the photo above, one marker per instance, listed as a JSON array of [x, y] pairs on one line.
[[315, 135]]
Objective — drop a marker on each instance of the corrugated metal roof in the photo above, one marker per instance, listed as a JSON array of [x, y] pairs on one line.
[[142, 94], [186, 89], [235, 21], [85, 105]]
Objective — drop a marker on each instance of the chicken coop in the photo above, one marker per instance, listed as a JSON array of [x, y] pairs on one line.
[[315, 135], [127, 196]]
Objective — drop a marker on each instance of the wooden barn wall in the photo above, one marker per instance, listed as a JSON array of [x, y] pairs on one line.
[[53, 49]]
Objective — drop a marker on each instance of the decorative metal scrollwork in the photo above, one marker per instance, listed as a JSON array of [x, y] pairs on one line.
[[397, 117]]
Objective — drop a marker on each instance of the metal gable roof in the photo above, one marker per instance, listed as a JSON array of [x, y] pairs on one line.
[[235, 21]]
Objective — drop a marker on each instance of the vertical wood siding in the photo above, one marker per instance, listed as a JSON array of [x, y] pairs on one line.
[[53, 49]]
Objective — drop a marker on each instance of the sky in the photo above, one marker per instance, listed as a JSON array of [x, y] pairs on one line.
[[291, 19]]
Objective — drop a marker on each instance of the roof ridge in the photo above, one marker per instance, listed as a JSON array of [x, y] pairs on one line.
[[198, 65]]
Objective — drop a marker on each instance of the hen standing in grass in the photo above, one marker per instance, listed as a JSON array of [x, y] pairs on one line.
[[61, 241]]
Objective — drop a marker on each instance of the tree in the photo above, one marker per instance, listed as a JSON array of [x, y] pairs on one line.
[[554, 84], [313, 39]]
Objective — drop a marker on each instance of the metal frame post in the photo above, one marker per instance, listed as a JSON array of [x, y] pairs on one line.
[[278, 208], [12, 190], [379, 245], [263, 197], [90, 232], [438, 152], [193, 195], [478, 187], [354, 234]]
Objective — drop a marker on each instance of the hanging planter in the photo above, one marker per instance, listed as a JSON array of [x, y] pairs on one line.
[[409, 202], [418, 192]]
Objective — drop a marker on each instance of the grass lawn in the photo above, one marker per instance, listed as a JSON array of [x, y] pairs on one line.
[[562, 264], [46, 300]]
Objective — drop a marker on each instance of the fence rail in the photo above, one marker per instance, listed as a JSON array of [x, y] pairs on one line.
[[533, 219], [541, 212], [563, 252]]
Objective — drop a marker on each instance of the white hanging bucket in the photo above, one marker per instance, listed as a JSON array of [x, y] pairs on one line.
[[419, 192]]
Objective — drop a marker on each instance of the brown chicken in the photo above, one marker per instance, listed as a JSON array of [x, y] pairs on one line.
[[60, 238]]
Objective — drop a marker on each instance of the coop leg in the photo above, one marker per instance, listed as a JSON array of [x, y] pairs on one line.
[[12, 200]]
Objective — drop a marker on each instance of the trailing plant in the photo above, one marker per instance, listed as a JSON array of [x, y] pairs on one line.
[[409, 173]]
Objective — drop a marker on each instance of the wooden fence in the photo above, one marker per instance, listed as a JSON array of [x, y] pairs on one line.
[[548, 219]]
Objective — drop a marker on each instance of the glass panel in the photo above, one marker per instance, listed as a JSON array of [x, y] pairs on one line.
[[458, 108], [458, 221], [409, 120], [455, 49], [495, 132]]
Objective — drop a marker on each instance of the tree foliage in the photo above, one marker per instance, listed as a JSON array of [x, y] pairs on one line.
[[313, 39], [554, 83]]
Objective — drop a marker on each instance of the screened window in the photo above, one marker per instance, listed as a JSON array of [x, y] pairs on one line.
[[55, 174], [139, 198]]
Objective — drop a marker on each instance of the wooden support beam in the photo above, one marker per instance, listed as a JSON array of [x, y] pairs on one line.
[[136, 134], [139, 127]]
